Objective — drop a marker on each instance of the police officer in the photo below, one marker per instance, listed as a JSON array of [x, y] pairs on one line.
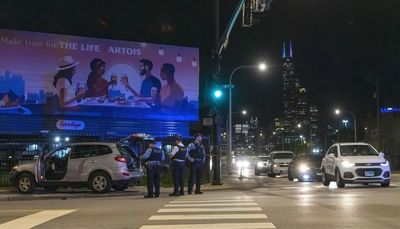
[[153, 157], [178, 156], [196, 157]]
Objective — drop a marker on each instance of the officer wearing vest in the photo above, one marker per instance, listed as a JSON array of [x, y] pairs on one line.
[[178, 156], [196, 157], [153, 157]]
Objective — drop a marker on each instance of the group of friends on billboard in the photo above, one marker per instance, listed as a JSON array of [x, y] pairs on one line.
[[151, 91]]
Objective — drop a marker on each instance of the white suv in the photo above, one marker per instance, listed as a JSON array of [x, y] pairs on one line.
[[354, 163], [278, 162], [98, 166]]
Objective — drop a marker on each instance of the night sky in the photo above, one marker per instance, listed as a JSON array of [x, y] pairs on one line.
[[340, 46]]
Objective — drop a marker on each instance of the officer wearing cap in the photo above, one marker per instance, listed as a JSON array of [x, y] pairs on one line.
[[178, 156], [153, 157], [196, 157]]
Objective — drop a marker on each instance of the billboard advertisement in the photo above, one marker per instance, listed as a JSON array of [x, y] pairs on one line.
[[49, 74]]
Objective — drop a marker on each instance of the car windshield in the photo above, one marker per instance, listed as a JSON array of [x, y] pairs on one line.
[[282, 156], [357, 150], [312, 157], [263, 159]]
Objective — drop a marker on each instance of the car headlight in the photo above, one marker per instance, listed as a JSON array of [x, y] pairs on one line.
[[260, 164], [347, 164], [303, 168], [15, 167], [243, 164], [275, 165], [386, 163]]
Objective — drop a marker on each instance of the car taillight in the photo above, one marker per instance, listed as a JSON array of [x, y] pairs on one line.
[[120, 159], [125, 174]]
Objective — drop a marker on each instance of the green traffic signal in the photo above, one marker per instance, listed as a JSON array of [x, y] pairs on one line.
[[217, 93]]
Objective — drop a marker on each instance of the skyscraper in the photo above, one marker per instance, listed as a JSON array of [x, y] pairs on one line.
[[299, 119], [291, 94]]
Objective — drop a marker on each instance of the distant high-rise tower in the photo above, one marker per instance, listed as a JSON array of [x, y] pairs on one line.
[[291, 93], [299, 124]]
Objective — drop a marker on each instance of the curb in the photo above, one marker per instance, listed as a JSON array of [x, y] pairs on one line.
[[137, 191]]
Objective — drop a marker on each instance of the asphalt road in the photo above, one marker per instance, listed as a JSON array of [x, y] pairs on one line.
[[254, 202]]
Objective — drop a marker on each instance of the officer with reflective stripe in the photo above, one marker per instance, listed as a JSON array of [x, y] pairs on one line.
[[196, 156], [178, 156], [153, 157]]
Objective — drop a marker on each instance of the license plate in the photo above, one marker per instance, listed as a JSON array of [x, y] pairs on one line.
[[369, 173]]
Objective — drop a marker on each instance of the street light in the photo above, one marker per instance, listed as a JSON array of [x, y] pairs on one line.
[[345, 121], [261, 67], [244, 112], [337, 112]]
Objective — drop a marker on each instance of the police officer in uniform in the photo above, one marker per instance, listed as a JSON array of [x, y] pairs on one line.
[[196, 157], [178, 156], [153, 157]]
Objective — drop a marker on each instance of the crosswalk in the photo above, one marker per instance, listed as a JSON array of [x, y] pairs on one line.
[[34, 219], [233, 210]]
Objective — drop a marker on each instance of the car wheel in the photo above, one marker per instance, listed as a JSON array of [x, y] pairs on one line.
[[26, 183], [100, 182], [339, 180], [271, 175], [325, 179], [257, 173], [50, 188], [386, 183], [120, 187], [289, 176]]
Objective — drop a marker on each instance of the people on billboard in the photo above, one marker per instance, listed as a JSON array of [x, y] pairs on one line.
[[149, 82], [97, 85], [153, 101], [6, 101], [171, 92], [63, 82]]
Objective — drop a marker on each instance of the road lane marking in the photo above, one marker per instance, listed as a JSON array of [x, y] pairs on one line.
[[212, 226], [207, 201], [228, 209], [35, 219], [208, 216], [211, 205]]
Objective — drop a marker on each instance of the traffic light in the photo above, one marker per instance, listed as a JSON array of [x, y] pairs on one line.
[[217, 93]]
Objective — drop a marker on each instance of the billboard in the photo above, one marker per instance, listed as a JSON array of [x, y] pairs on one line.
[[49, 74]]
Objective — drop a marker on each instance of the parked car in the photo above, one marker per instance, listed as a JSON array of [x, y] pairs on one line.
[[261, 165], [98, 166], [279, 162], [305, 167], [355, 163]]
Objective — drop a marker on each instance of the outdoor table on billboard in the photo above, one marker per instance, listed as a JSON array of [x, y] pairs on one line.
[[49, 74]]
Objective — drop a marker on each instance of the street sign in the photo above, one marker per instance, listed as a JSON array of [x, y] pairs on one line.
[[241, 128], [228, 86]]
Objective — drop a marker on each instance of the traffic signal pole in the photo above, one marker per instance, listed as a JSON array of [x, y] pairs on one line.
[[220, 44]]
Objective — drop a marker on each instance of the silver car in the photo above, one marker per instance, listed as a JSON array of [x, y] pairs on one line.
[[278, 162], [98, 166]]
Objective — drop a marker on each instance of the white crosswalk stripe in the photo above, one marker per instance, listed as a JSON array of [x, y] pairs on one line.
[[35, 219], [212, 226], [208, 216], [232, 210], [210, 205]]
